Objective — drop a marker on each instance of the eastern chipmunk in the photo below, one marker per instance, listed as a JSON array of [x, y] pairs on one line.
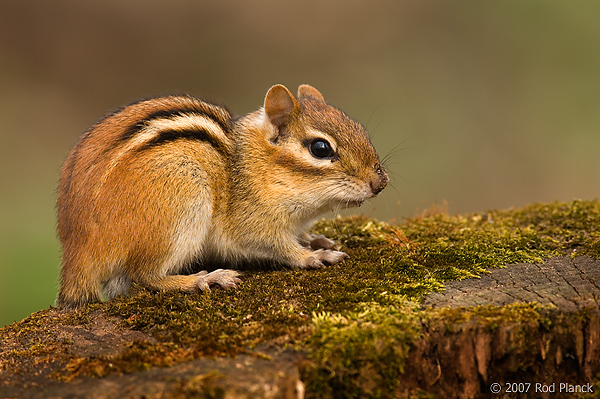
[[166, 182]]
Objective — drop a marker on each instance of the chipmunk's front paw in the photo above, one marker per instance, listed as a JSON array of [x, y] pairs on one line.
[[224, 277], [320, 241], [314, 241], [324, 257]]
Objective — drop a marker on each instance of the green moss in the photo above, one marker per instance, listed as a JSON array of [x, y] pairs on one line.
[[365, 308], [571, 227], [493, 316], [361, 352], [140, 355]]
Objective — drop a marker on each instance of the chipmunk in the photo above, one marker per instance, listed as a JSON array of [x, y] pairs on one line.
[[169, 181]]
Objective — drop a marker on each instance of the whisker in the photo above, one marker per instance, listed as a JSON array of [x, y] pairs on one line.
[[369, 132], [393, 153]]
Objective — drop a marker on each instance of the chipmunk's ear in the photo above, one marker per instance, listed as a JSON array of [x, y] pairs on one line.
[[309, 91], [280, 104]]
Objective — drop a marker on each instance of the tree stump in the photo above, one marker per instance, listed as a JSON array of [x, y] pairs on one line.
[[368, 328], [570, 284], [553, 355]]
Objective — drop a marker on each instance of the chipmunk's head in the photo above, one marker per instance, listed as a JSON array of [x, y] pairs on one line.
[[328, 155]]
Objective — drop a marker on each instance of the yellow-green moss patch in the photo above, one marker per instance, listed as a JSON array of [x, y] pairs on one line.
[[360, 352]]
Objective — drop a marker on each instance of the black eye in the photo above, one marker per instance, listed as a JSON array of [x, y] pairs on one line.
[[320, 149]]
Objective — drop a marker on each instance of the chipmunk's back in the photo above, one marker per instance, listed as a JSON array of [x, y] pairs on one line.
[[127, 184]]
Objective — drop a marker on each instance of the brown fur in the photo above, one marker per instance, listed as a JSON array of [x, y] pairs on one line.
[[167, 181]]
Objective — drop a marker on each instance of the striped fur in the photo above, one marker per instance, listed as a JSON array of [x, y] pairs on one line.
[[168, 181]]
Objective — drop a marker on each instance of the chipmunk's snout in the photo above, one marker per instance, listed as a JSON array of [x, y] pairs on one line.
[[379, 180]]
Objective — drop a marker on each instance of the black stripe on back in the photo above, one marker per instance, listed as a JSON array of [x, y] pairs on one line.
[[198, 109], [166, 136]]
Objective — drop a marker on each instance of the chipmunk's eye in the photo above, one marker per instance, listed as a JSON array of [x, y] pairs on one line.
[[320, 149]]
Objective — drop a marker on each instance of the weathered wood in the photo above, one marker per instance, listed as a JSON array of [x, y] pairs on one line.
[[243, 377], [274, 374], [571, 284], [465, 359]]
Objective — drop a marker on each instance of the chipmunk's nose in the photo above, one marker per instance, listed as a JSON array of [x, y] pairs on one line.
[[379, 180]]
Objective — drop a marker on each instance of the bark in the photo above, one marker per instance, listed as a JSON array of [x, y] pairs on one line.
[[463, 360]]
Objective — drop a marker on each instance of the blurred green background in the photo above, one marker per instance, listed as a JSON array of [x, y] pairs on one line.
[[490, 104]]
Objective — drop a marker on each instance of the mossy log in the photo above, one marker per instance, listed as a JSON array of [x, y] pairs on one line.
[[438, 306], [555, 348]]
